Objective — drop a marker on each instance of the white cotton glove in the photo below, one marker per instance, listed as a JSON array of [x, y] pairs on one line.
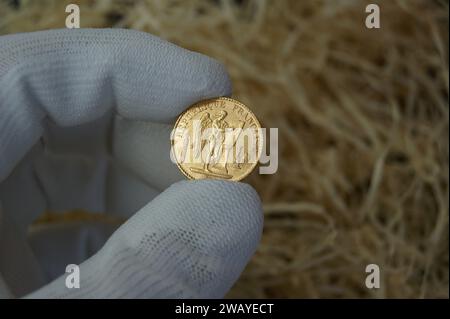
[[84, 124]]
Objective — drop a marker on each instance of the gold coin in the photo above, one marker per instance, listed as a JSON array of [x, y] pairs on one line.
[[218, 138]]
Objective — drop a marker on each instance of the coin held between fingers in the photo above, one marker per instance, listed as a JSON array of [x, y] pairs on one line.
[[218, 139]]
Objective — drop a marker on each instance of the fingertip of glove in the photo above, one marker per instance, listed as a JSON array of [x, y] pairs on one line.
[[219, 79], [210, 74], [212, 185], [228, 197], [228, 222]]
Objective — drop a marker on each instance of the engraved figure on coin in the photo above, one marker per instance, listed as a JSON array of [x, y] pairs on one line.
[[214, 146], [205, 123]]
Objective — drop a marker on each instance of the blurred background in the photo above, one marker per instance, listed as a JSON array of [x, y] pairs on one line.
[[363, 130]]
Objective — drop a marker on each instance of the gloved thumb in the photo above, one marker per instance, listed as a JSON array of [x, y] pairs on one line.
[[192, 241]]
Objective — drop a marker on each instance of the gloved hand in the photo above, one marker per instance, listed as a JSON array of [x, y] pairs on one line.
[[85, 119]]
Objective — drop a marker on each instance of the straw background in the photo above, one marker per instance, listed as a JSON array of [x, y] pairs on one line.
[[363, 130]]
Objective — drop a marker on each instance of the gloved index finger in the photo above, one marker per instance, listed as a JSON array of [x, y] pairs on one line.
[[75, 76]]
